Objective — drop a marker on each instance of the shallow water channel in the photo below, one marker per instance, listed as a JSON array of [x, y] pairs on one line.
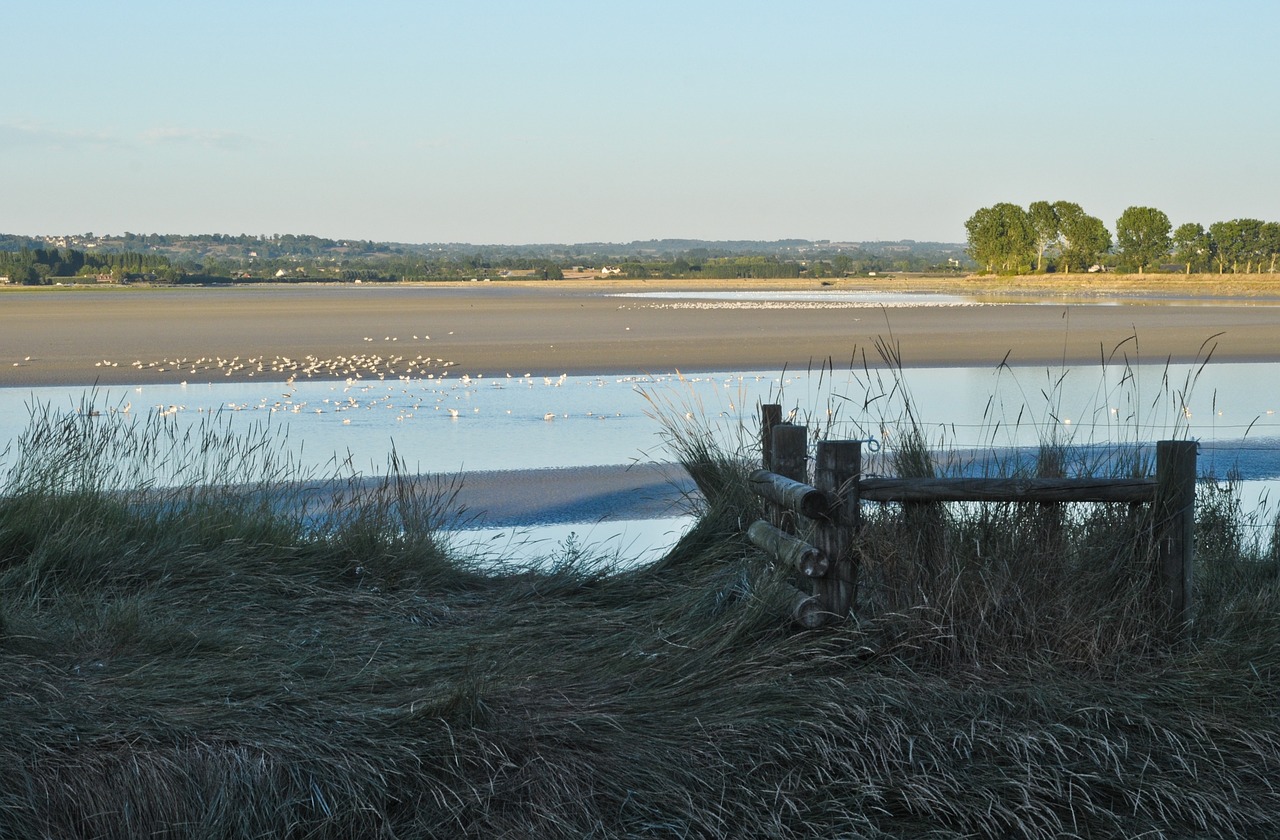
[[459, 424]]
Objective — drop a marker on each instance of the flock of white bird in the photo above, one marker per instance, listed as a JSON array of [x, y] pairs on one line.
[[358, 365], [421, 383], [408, 398]]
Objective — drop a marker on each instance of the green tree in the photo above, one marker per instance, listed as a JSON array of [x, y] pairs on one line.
[[1271, 243], [1250, 242], [1252, 248], [1192, 246], [1143, 236], [24, 274], [72, 261], [1001, 238], [1082, 240], [633, 269], [1045, 227], [1219, 238], [1228, 243]]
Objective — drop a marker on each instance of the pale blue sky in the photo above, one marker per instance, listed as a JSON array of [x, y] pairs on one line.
[[518, 122]]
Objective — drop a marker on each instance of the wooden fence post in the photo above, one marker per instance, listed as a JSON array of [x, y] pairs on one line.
[[834, 505], [790, 459], [1175, 504], [770, 416], [790, 452], [838, 463]]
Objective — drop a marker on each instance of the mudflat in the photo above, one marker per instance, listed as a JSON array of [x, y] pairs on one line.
[[135, 335], [118, 336]]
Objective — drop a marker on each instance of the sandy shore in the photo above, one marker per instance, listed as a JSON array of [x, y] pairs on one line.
[[67, 337]]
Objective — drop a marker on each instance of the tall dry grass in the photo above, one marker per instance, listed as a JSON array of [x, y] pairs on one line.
[[284, 656]]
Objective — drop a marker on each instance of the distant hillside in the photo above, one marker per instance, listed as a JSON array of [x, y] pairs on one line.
[[203, 257], [278, 245]]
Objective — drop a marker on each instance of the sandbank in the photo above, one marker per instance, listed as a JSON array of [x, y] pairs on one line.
[[135, 335]]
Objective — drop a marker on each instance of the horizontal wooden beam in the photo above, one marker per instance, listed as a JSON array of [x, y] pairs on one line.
[[792, 495], [807, 611], [787, 549], [1007, 489]]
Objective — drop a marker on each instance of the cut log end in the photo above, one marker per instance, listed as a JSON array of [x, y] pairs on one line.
[[807, 611], [788, 550]]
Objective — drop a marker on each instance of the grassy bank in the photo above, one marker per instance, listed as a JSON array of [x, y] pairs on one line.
[[1204, 284], [1200, 285], [194, 658], [1084, 285]]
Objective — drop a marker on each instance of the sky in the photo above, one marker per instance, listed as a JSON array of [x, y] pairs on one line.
[[564, 122]]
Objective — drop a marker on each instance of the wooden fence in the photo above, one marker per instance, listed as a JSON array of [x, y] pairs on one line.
[[833, 505]]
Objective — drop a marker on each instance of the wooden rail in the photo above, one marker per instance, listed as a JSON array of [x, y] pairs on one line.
[[789, 549], [789, 493], [833, 505], [1132, 490]]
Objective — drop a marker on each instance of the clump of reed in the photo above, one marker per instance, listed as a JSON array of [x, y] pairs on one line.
[[976, 584], [305, 656]]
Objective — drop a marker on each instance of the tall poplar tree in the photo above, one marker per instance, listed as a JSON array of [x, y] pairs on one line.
[[1001, 238], [1044, 227], [1082, 239], [1143, 236], [1192, 246]]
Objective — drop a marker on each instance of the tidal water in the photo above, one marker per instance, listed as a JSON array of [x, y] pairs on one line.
[[457, 424]]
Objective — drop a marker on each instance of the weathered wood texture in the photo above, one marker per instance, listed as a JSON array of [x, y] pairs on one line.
[[770, 416], [834, 504], [793, 551], [789, 493], [1175, 525], [836, 468], [807, 611], [790, 451], [1007, 489], [790, 455]]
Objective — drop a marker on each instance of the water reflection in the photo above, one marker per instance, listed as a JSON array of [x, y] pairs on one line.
[[618, 543], [830, 298], [466, 424], [859, 298]]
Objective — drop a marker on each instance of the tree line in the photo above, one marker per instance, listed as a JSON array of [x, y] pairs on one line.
[[1061, 237], [42, 266], [24, 261]]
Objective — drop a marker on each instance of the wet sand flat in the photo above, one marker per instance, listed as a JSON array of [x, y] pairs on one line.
[[574, 494], [510, 498], [78, 337]]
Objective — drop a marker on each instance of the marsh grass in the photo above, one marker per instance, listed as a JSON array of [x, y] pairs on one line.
[[240, 650]]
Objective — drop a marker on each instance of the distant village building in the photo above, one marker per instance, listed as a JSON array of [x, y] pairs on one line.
[[610, 269]]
